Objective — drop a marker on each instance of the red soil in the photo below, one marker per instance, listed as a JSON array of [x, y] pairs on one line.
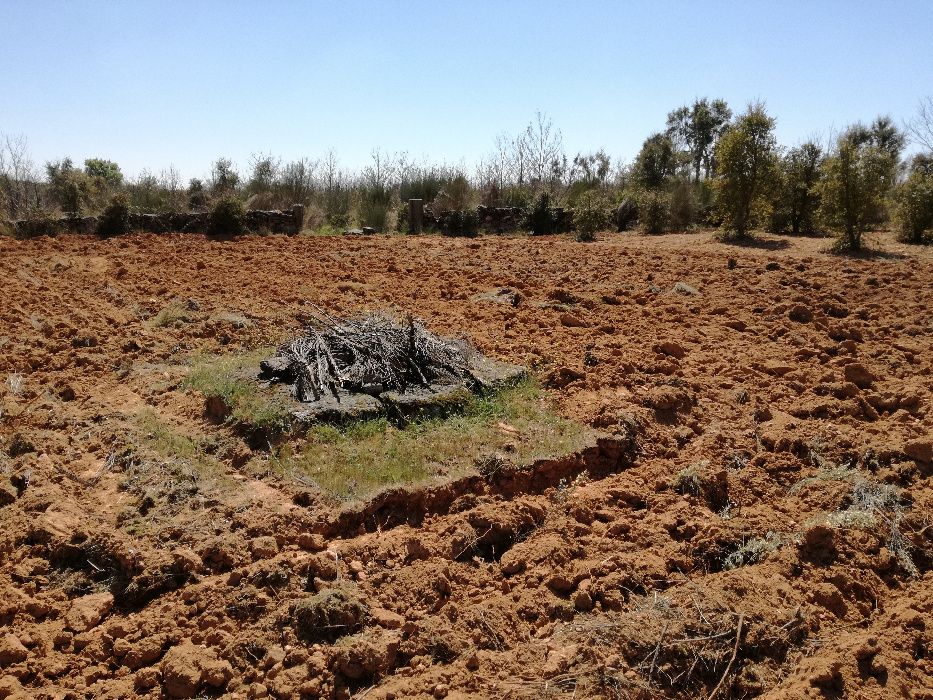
[[787, 364]]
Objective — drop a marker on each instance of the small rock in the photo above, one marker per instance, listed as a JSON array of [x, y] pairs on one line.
[[920, 449], [263, 547], [685, 289], [12, 650], [87, 611], [572, 321], [440, 690], [562, 376], [312, 541], [669, 347], [858, 375], [387, 619], [800, 314]]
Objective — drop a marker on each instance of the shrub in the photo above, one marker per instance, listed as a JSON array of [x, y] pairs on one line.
[[540, 218], [463, 222], [746, 163], [374, 206], [590, 215], [653, 211], [915, 206], [37, 221], [115, 219], [401, 217], [797, 196], [228, 217], [683, 213]]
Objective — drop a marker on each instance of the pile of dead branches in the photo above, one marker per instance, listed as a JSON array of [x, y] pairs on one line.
[[370, 354]]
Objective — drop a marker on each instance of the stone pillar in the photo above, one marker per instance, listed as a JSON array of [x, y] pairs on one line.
[[415, 215], [298, 214]]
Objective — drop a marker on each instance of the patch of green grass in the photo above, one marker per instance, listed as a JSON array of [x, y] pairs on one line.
[[171, 315], [226, 378], [360, 459]]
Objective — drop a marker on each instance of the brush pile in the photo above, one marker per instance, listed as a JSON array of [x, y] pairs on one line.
[[368, 355]]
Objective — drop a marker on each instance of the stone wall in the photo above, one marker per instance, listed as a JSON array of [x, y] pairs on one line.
[[257, 221]]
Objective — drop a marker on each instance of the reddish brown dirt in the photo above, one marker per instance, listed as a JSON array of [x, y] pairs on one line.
[[788, 363]]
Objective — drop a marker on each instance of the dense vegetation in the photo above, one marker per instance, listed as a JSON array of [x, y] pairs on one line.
[[708, 167]]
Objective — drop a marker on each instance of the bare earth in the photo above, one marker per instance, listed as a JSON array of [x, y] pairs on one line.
[[758, 407]]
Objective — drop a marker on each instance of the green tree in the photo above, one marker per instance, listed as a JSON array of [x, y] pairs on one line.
[[856, 178], [746, 155], [914, 200], [224, 178], [656, 163], [698, 127], [70, 188], [106, 171], [798, 198]]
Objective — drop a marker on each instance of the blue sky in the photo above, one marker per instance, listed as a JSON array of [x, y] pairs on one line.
[[151, 84]]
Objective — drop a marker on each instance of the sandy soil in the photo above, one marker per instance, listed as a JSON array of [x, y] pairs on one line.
[[757, 522]]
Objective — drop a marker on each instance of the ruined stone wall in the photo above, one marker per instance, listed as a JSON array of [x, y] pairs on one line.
[[257, 221]]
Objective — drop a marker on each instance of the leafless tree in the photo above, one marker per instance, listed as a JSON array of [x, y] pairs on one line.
[[297, 180], [920, 128], [170, 183], [545, 148], [17, 176]]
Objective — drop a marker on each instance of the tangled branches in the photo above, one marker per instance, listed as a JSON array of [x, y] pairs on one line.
[[369, 355]]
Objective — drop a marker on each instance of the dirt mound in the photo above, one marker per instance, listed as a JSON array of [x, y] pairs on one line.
[[752, 519]]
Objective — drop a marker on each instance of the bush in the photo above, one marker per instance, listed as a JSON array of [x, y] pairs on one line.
[[115, 219], [540, 218], [915, 206], [654, 211], [401, 217], [590, 215], [683, 213], [228, 217], [461, 223], [374, 206]]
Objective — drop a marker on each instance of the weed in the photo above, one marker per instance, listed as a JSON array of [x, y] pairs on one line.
[[753, 551], [171, 315]]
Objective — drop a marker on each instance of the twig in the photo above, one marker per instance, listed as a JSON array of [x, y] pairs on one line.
[[735, 653], [657, 650]]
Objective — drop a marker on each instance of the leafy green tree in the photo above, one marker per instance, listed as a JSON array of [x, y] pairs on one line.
[[698, 127], [224, 178], [69, 187], [656, 163], [914, 198], [797, 199], [747, 156], [106, 171], [856, 178]]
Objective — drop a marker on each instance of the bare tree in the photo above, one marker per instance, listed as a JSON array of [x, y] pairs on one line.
[[545, 145], [920, 128], [17, 176], [170, 183], [297, 180]]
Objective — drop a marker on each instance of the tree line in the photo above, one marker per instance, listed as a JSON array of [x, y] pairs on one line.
[[707, 167]]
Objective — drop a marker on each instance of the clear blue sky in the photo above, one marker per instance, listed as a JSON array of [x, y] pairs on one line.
[[150, 84]]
